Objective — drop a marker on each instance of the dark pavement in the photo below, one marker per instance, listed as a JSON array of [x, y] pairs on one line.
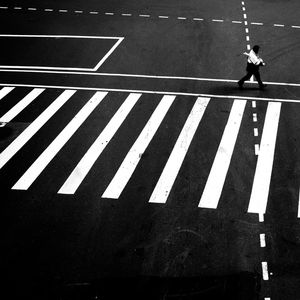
[[84, 246]]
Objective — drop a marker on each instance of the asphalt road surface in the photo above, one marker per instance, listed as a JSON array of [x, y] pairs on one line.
[[131, 164]]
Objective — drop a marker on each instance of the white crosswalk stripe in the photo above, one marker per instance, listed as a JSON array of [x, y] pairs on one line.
[[13, 112], [262, 177], [169, 174], [133, 157], [44, 159], [4, 91], [27, 134], [218, 172], [86, 163]]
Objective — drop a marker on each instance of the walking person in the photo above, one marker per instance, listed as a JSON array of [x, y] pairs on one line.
[[253, 64]]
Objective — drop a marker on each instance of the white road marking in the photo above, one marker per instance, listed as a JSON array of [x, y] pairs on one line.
[[295, 26], [94, 12], [237, 22], [49, 153], [279, 25], [247, 38], [109, 14], [17, 7], [134, 155], [299, 205], [246, 23], [48, 9], [198, 19], [126, 15], [255, 23], [3, 7], [247, 30], [261, 218], [253, 104], [63, 10], [26, 135], [217, 20], [78, 11], [167, 178], [5, 90], [243, 8], [163, 17], [181, 18], [31, 8], [262, 177], [255, 117], [144, 16], [14, 111], [255, 131], [248, 47], [262, 238], [85, 164], [245, 16], [218, 172], [256, 149], [265, 272]]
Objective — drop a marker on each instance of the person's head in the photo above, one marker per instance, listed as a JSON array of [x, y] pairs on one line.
[[255, 48]]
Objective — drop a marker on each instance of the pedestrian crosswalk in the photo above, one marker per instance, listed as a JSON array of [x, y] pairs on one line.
[[165, 182]]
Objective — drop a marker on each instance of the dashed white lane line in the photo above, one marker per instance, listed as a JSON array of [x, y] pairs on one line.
[[294, 26], [32, 8], [78, 11], [48, 9], [299, 205], [18, 8], [63, 10], [126, 15], [94, 12], [254, 117], [109, 13], [253, 104], [144, 16], [237, 22], [261, 218], [181, 18], [163, 17], [198, 19], [218, 20], [265, 271], [256, 23], [3, 7], [278, 25], [262, 238], [255, 131], [256, 149]]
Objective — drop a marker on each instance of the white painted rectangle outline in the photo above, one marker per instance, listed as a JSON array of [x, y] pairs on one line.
[[119, 40]]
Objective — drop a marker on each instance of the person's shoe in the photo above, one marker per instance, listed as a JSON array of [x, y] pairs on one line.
[[261, 87], [240, 85]]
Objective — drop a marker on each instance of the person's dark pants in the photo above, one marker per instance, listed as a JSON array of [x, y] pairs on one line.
[[251, 70]]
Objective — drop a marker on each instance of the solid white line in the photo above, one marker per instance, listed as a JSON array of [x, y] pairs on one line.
[[26, 135], [262, 238], [299, 205], [218, 172], [256, 149], [14, 111], [49, 153], [83, 167], [255, 23], [262, 177], [176, 158], [61, 36], [160, 92], [255, 131], [265, 272], [294, 26], [5, 90], [133, 157]]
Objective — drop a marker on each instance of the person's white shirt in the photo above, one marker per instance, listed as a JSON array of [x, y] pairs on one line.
[[253, 58]]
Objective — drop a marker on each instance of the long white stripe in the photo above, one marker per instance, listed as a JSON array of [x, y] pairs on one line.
[[133, 157], [26, 135], [87, 161], [299, 205], [262, 177], [49, 153], [21, 105], [5, 90], [173, 165], [218, 172]]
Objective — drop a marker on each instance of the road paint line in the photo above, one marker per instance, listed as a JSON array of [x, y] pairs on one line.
[[254, 117], [28, 133], [268, 298], [263, 172], [63, 10], [243, 8], [218, 172], [31, 8], [295, 26], [245, 16], [87, 161], [255, 131], [248, 47], [94, 12], [181, 18], [237, 22], [198, 19], [265, 272], [261, 217], [279, 25], [262, 238], [163, 17], [253, 104], [243, 3], [78, 11], [5, 90], [109, 14], [246, 23], [256, 149], [134, 155], [247, 38], [14, 111], [48, 9], [256, 23], [246, 30], [217, 20], [144, 16], [18, 8], [299, 205], [3, 7], [50, 152], [126, 15], [167, 178]]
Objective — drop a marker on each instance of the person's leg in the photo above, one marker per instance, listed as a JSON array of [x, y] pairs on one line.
[[245, 78], [258, 79]]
